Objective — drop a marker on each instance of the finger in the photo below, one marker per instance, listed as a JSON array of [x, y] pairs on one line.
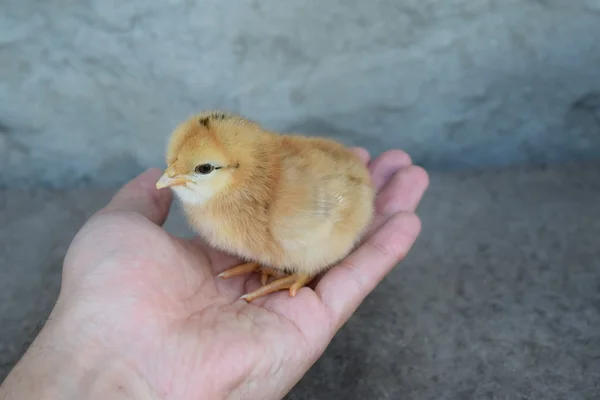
[[344, 287], [386, 165], [362, 153], [141, 196], [402, 193]]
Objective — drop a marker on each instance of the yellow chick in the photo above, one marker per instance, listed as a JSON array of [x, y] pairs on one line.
[[291, 206]]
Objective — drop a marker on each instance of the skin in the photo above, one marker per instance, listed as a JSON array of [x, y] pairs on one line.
[[141, 314]]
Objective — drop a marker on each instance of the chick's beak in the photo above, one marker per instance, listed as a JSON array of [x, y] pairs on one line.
[[169, 179]]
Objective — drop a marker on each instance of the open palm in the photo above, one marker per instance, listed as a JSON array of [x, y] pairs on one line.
[[154, 299]]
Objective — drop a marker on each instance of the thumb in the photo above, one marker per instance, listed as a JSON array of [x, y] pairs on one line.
[[141, 196]]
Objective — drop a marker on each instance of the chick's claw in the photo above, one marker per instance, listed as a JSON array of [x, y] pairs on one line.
[[292, 282]]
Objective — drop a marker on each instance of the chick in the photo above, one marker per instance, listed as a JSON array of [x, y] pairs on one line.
[[289, 205]]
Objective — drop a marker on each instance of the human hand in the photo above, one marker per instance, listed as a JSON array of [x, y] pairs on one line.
[[142, 311]]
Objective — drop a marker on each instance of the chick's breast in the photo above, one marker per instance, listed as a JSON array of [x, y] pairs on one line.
[[323, 203]]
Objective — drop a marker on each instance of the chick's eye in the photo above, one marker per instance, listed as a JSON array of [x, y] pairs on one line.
[[204, 169]]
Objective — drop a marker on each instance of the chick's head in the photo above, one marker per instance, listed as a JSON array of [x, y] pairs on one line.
[[206, 153]]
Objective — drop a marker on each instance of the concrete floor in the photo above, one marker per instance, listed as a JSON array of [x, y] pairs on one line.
[[500, 298]]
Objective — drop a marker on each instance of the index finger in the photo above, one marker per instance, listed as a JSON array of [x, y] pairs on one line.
[[141, 196], [345, 286]]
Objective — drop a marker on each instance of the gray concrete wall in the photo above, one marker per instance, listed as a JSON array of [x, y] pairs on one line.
[[89, 90]]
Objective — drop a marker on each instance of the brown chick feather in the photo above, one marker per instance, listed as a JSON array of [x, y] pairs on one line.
[[286, 203]]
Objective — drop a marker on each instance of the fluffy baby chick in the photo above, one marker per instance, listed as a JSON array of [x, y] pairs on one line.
[[291, 206]]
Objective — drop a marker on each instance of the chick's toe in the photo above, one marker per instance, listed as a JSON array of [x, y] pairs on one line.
[[250, 267], [292, 282], [241, 269]]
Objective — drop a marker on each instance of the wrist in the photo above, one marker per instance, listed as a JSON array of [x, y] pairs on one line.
[[55, 367]]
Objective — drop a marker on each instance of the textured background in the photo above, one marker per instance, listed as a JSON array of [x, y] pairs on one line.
[[500, 298], [90, 89]]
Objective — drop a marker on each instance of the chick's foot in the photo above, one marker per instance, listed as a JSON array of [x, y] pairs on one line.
[[250, 267], [267, 273], [292, 282]]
